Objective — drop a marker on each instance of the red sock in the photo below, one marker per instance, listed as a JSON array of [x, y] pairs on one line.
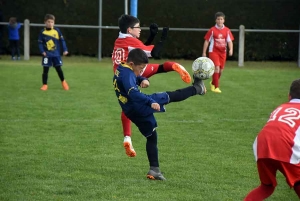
[[297, 190], [215, 79], [168, 66], [220, 74], [126, 124], [260, 193]]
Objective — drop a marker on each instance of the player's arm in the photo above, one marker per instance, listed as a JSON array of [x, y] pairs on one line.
[[207, 38], [230, 47], [153, 31], [63, 42], [41, 45], [158, 46], [230, 38], [129, 83], [142, 82], [205, 45]]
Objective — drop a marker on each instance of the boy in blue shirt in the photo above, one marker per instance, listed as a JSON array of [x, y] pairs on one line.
[[139, 107], [14, 37], [49, 45]]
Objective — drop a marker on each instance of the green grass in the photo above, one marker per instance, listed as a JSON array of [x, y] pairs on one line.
[[67, 145]]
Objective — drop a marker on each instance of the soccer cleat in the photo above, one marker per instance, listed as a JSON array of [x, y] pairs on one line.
[[199, 85], [217, 90], [212, 87], [44, 87], [155, 174], [185, 76], [128, 147], [65, 85]]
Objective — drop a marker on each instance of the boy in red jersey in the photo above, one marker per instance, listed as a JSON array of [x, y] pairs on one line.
[[217, 38], [128, 40], [277, 147]]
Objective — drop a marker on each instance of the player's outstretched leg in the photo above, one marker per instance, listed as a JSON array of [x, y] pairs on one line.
[[185, 76], [155, 174]]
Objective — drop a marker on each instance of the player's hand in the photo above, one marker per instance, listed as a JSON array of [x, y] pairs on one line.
[[230, 52], [164, 34], [155, 106], [44, 54], [145, 84], [65, 53], [153, 29]]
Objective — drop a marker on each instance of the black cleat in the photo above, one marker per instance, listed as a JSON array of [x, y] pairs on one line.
[[199, 85]]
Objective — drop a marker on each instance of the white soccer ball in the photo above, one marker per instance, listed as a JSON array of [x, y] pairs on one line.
[[203, 68]]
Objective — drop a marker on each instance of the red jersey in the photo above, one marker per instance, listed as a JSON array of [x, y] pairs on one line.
[[218, 38], [280, 137], [123, 45]]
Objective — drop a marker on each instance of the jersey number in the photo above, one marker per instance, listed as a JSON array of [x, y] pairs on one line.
[[289, 117], [118, 55]]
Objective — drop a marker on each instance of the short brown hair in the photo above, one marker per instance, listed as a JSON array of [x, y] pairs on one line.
[[219, 14], [12, 20], [49, 17], [295, 89]]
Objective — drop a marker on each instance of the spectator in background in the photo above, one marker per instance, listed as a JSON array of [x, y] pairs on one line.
[[14, 37]]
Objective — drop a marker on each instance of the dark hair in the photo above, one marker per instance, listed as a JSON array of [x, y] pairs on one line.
[[12, 20], [49, 17], [295, 89], [126, 21], [137, 56], [219, 14]]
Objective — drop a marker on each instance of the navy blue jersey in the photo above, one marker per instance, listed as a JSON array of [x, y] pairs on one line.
[[131, 99], [49, 42]]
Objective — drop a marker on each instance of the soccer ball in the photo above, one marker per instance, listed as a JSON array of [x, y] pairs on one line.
[[203, 68]]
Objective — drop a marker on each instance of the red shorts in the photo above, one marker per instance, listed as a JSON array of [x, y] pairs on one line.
[[268, 167], [218, 59]]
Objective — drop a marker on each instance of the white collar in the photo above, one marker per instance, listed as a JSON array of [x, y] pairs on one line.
[[219, 27], [295, 100], [122, 35]]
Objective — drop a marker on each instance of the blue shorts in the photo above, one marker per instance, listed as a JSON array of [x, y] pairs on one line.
[[143, 116], [51, 61], [145, 124]]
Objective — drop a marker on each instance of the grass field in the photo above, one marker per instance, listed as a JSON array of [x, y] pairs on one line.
[[67, 145]]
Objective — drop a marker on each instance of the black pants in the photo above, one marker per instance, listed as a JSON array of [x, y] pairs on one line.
[[58, 70], [15, 47]]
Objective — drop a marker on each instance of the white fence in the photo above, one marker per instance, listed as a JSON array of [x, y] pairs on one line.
[[241, 31]]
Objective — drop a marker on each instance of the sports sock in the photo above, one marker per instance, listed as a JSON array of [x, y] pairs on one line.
[[215, 80], [60, 73], [45, 75], [126, 124], [181, 94], [260, 193], [297, 188], [220, 73], [151, 148], [167, 66]]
